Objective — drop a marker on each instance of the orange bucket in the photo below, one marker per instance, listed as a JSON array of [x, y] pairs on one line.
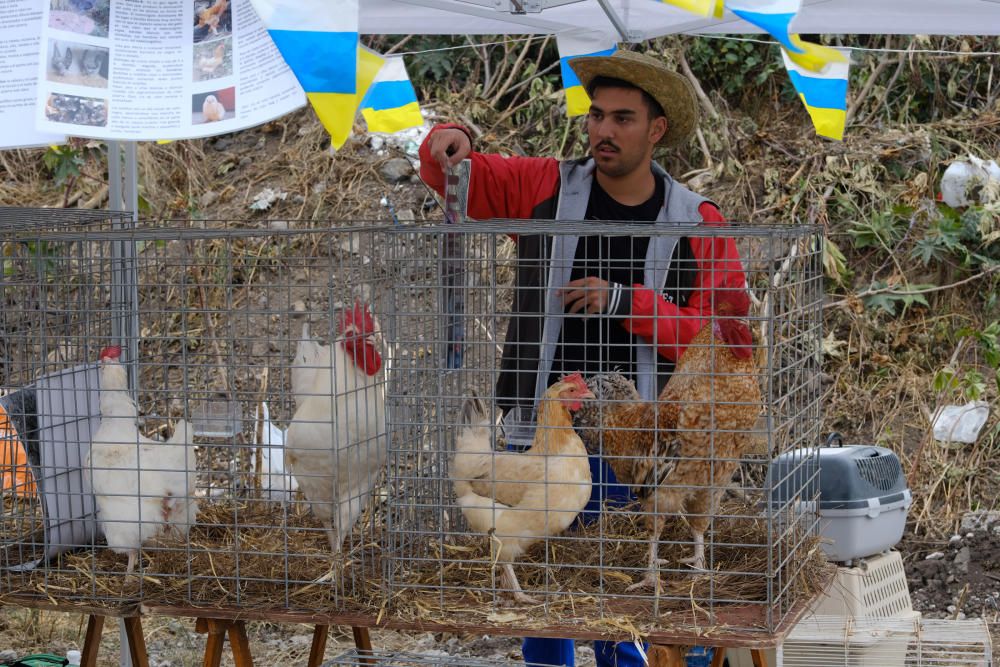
[[15, 473]]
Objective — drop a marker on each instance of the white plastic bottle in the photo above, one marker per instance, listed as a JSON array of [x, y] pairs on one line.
[[74, 658]]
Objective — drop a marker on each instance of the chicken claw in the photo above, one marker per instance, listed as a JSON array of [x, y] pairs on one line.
[[697, 561], [651, 580]]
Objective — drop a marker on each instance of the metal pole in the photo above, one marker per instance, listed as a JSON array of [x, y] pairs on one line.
[[131, 286], [120, 321]]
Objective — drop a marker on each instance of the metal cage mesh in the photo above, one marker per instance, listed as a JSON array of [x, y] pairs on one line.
[[757, 540], [210, 316]]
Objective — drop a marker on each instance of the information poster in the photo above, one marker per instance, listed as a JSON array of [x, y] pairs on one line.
[[158, 69]]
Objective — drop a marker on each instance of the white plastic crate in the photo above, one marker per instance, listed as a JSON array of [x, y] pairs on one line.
[[874, 588]]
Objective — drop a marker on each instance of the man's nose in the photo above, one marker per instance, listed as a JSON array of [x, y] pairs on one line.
[[603, 129]]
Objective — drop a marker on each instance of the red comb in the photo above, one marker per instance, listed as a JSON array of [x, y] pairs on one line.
[[360, 318], [111, 352], [576, 379], [735, 302]]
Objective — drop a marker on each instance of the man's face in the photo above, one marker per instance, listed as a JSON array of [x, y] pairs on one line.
[[622, 135]]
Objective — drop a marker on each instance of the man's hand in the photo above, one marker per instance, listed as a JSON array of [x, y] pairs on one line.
[[589, 295], [449, 147]]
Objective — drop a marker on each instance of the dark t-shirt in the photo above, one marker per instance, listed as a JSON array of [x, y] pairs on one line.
[[597, 344]]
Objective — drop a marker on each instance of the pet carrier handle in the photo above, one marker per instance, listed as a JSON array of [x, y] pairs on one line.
[[456, 204], [834, 437]]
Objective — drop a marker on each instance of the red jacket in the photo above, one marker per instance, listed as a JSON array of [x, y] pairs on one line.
[[528, 187]]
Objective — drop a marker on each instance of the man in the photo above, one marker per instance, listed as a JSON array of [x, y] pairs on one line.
[[593, 304]]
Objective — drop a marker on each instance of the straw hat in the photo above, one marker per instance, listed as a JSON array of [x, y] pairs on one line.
[[673, 91]]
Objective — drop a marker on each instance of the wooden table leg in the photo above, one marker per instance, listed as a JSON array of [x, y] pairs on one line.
[[363, 642], [216, 631], [758, 657], [92, 641], [318, 648], [666, 656], [719, 656], [136, 642], [240, 644]]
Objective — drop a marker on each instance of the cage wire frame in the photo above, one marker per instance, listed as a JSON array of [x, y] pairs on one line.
[[213, 314], [436, 566], [210, 314]]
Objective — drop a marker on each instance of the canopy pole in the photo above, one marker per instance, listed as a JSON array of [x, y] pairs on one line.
[[618, 23], [492, 14]]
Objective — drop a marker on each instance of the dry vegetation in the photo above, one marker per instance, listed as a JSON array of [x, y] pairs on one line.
[[903, 336]]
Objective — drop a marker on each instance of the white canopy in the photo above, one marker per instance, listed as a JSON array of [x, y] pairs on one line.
[[646, 19]]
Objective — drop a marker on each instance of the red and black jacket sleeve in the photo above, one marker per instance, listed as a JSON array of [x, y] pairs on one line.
[[646, 313], [499, 187]]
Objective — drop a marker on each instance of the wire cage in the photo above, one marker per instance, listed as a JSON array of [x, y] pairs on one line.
[[493, 499], [264, 416], [153, 366]]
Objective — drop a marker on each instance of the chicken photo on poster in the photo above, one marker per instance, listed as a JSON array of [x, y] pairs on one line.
[[86, 17], [213, 60], [77, 64], [212, 19], [76, 110], [213, 106]]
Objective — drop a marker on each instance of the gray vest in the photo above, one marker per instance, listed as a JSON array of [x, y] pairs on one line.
[[680, 210]]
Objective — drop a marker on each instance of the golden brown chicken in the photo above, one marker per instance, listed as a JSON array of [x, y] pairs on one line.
[[520, 498], [679, 453], [210, 17], [209, 64]]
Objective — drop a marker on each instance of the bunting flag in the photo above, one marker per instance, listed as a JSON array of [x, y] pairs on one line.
[[319, 41], [823, 93], [772, 16], [391, 103], [713, 8], [576, 46], [775, 18]]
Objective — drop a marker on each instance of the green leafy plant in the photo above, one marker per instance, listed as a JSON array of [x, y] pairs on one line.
[[881, 231], [879, 296], [733, 66], [63, 162]]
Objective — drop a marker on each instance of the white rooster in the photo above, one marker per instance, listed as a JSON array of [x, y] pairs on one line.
[[336, 442], [142, 487]]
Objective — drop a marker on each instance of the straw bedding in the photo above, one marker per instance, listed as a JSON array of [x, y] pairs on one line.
[[246, 554]]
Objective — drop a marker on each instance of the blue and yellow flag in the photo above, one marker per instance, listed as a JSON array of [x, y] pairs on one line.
[[575, 46], [824, 93], [713, 8], [319, 41], [775, 18], [391, 103]]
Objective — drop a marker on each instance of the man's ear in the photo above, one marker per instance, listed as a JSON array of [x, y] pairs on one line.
[[658, 128]]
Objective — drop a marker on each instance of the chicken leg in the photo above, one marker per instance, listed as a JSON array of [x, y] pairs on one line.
[[133, 558], [509, 582], [652, 578]]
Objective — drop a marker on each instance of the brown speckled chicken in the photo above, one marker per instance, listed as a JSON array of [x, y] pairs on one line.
[[679, 453]]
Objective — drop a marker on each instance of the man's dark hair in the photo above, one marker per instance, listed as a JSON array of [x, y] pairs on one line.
[[654, 108]]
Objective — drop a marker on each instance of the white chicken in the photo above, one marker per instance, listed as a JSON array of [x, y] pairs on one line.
[[276, 482], [336, 442], [142, 487]]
